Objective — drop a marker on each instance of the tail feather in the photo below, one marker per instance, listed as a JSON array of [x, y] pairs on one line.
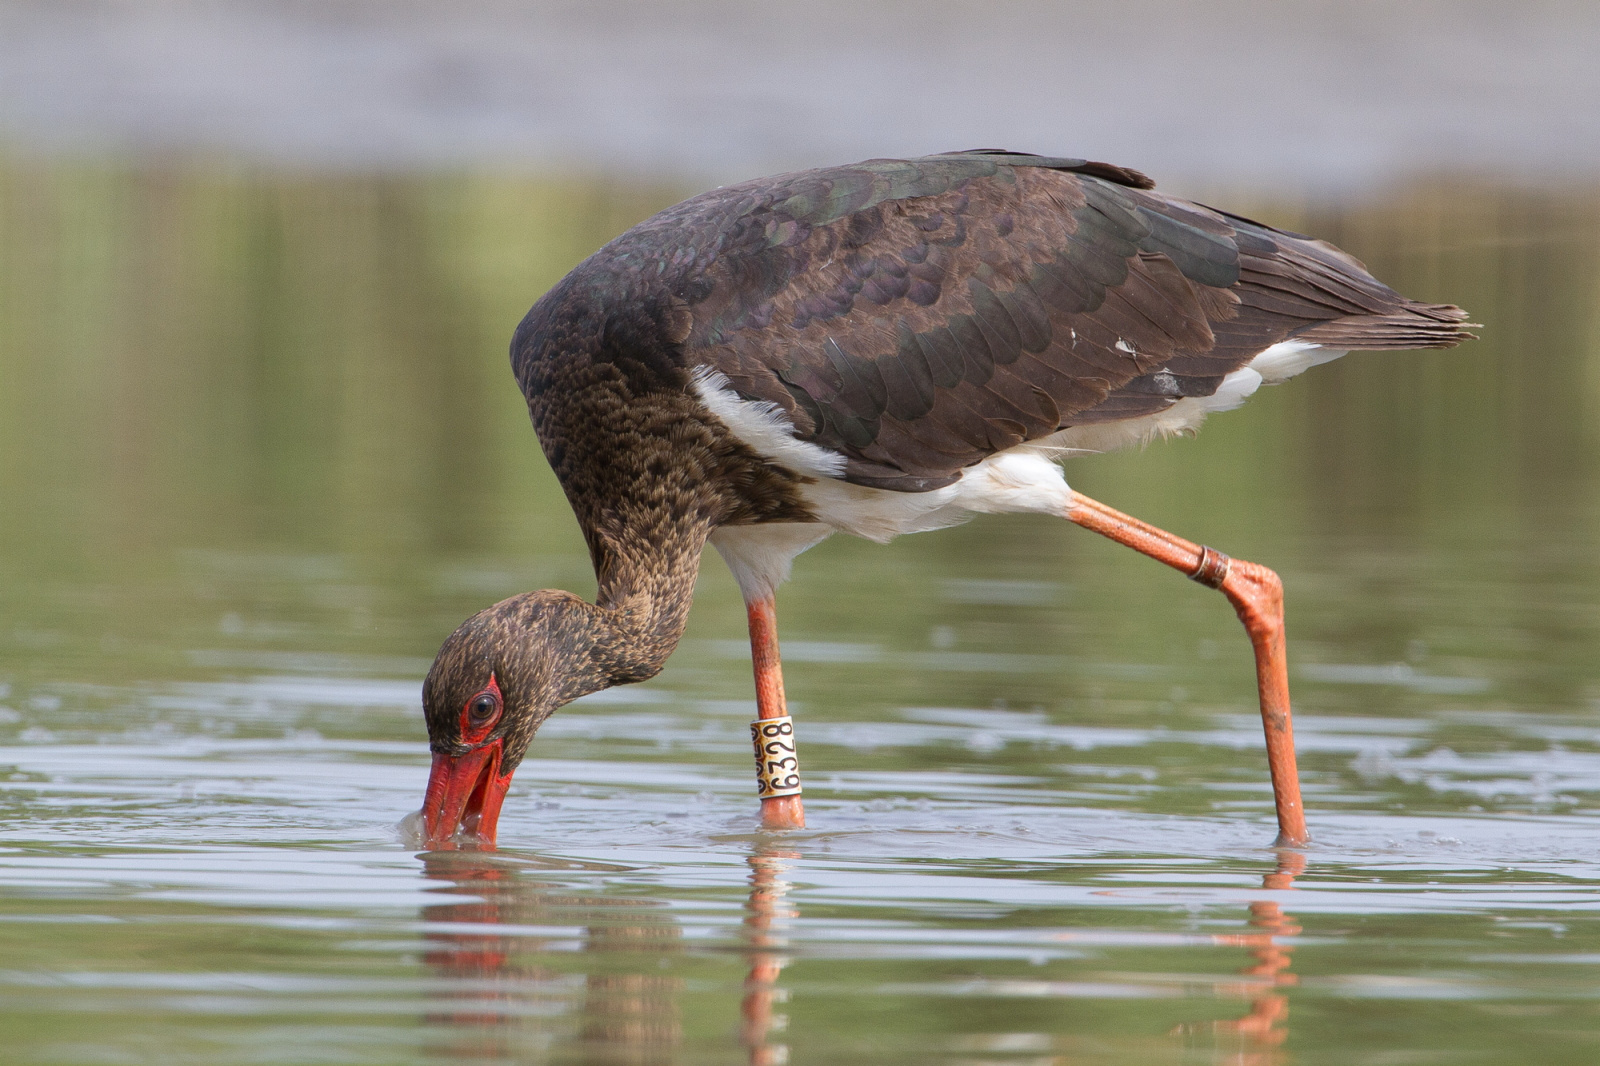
[[1414, 325]]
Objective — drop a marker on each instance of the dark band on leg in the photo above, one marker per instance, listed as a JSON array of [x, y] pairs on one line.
[[1213, 568]]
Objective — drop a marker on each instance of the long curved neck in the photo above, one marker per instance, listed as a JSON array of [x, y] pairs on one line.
[[646, 575], [648, 469]]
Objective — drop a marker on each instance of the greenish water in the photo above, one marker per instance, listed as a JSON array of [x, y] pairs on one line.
[[260, 451]]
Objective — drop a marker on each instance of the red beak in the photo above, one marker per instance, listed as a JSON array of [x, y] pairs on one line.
[[464, 796]]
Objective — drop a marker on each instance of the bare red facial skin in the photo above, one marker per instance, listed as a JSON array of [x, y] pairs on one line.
[[465, 791]]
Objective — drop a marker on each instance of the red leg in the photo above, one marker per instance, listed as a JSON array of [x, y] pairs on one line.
[[1257, 596], [777, 812]]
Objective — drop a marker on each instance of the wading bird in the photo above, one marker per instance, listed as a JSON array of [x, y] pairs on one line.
[[877, 349]]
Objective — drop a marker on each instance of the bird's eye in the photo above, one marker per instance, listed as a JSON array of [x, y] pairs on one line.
[[484, 706]]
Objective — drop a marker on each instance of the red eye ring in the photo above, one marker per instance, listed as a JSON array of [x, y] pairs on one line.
[[481, 712]]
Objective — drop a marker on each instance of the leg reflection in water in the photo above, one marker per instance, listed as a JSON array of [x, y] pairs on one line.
[[595, 994], [1257, 1038], [765, 911]]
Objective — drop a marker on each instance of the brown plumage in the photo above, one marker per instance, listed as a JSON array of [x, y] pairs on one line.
[[916, 315], [908, 319]]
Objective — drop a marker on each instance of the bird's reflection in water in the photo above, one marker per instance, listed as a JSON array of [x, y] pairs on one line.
[[1257, 1038], [766, 912], [614, 1005], [617, 1003]]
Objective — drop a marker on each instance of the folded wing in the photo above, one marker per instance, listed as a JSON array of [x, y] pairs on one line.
[[915, 316]]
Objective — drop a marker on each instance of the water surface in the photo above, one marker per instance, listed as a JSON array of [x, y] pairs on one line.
[[260, 451]]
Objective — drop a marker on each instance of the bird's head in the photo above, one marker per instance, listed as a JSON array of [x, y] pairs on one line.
[[495, 680]]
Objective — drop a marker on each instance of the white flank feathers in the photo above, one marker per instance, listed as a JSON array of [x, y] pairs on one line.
[[764, 427], [1273, 366], [1018, 480], [1285, 359]]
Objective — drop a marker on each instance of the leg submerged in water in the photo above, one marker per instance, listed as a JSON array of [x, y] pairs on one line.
[[1257, 597]]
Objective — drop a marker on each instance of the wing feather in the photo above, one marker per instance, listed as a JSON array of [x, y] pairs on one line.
[[917, 315]]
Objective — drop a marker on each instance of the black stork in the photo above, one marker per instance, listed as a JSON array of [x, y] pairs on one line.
[[877, 349]]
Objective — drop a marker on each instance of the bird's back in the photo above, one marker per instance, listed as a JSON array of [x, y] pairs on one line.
[[912, 317]]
